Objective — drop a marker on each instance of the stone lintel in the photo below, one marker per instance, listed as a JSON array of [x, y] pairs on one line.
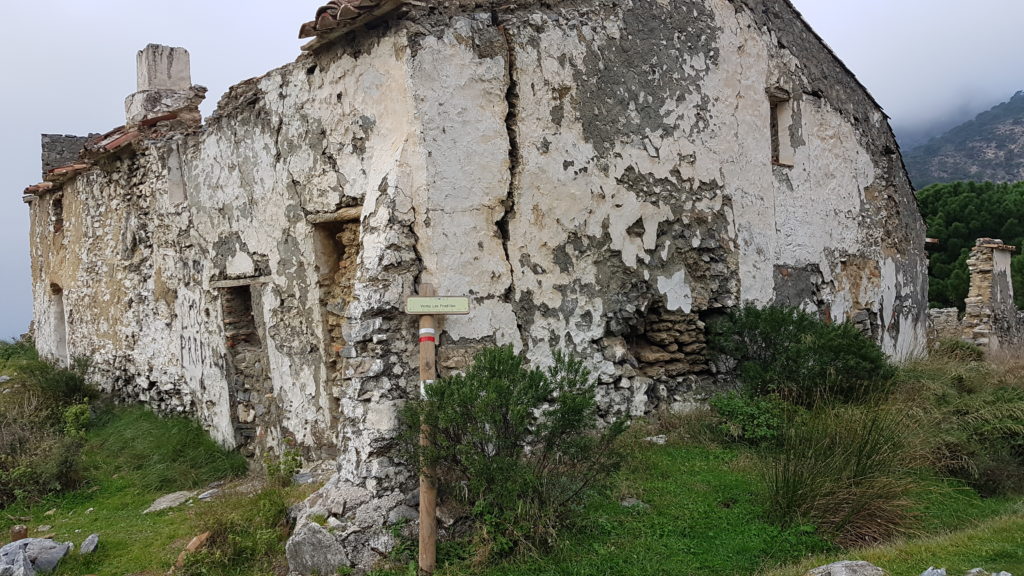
[[351, 214], [236, 282]]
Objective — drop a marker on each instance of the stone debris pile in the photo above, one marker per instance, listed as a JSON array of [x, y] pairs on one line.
[[861, 568]]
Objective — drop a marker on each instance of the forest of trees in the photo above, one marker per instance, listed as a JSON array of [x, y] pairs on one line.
[[959, 213]]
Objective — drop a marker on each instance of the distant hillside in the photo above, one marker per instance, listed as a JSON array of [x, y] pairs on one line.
[[988, 148]]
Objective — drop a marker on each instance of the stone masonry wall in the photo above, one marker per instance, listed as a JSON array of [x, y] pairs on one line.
[[596, 176], [991, 319]]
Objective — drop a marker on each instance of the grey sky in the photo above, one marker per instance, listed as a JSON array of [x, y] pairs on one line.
[[68, 65]]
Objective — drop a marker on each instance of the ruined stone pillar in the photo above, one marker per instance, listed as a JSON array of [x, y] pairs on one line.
[[164, 87], [991, 318]]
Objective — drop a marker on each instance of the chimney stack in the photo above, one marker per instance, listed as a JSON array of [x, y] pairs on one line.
[[164, 87]]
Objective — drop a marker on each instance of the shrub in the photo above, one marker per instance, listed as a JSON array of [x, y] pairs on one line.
[[518, 447], [751, 419], [846, 470], [35, 459], [280, 470], [792, 354], [16, 351]]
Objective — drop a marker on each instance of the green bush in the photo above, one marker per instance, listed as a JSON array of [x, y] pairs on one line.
[[792, 354], [755, 420], [517, 447], [849, 470], [43, 414], [35, 458], [16, 351]]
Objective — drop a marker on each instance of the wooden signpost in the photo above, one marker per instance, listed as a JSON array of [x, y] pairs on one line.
[[426, 305]]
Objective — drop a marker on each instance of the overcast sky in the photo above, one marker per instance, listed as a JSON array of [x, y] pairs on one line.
[[68, 65]]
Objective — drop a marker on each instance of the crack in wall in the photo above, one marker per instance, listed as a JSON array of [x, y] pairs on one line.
[[515, 158]]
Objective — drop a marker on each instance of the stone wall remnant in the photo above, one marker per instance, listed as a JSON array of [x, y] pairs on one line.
[[991, 318], [596, 176], [990, 315]]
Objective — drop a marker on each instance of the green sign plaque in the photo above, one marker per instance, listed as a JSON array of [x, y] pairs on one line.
[[440, 305]]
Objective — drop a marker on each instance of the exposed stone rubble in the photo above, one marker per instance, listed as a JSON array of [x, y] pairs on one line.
[[31, 556], [861, 568], [596, 176], [848, 568]]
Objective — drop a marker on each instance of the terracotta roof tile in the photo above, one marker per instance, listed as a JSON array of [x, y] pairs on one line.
[[39, 188], [339, 16], [65, 173]]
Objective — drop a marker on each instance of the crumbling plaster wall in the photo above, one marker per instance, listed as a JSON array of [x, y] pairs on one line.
[[149, 236], [637, 138], [602, 171]]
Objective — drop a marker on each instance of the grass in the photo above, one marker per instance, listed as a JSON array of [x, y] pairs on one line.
[[994, 544], [700, 504], [130, 458], [701, 513], [704, 512]]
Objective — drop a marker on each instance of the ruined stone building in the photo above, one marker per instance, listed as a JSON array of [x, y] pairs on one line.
[[991, 319], [598, 177]]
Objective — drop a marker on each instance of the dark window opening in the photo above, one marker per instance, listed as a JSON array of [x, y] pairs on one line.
[[781, 121], [57, 213]]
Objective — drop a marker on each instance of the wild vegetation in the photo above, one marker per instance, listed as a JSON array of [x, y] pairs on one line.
[[77, 464], [957, 214], [841, 456], [515, 447]]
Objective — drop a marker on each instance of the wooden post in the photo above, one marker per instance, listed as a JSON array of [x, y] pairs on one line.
[[428, 489]]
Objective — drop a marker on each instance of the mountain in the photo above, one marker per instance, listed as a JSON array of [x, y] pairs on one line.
[[988, 148]]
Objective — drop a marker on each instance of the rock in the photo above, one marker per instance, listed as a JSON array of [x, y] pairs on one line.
[[169, 501], [650, 354], [848, 568], [615, 349], [209, 494], [42, 555], [634, 504], [89, 545], [312, 548], [50, 512], [659, 439], [4, 379], [403, 513], [303, 478], [16, 564], [44, 528], [197, 543], [933, 571]]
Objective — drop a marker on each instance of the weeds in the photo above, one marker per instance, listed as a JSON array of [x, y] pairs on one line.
[[846, 470], [247, 535]]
